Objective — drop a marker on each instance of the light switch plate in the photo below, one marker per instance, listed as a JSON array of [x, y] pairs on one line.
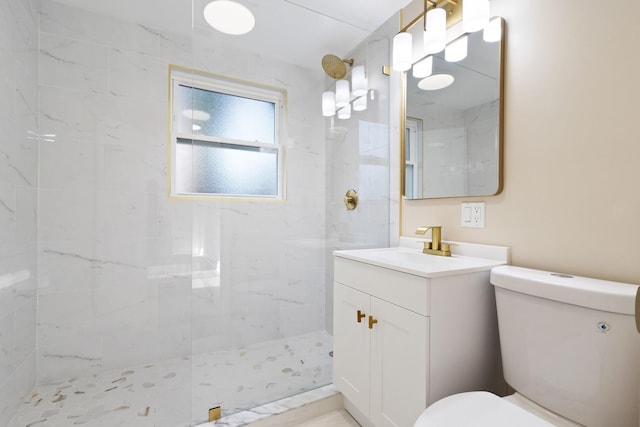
[[472, 215]]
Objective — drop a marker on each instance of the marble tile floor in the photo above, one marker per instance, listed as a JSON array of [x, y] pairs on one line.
[[179, 392]]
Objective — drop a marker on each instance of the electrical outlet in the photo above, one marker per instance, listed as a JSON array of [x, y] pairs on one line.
[[472, 215]]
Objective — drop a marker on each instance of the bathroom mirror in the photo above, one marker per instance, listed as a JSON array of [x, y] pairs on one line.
[[452, 137]]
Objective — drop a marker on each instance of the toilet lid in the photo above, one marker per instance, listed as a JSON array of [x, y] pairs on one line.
[[477, 409]]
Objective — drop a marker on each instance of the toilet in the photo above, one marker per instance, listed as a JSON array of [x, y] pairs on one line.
[[570, 349]]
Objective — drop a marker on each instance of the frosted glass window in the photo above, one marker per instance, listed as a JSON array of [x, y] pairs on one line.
[[226, 169], [408, 179], [227, 137], [224, 115]]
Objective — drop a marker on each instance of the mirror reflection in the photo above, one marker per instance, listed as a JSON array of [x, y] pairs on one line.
[[453, 130]]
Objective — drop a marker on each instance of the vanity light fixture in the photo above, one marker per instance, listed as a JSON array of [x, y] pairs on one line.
[[434, 36], [328, 103], [345, 112], [229, 17], [342, 93], [360, 103], [456, 50], [423, 68], [343, 100], [493, 31], [435, 31], [402, 51], [358, 81], [475, 15]]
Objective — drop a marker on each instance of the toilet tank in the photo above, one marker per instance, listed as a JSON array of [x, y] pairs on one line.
[[571, 344]]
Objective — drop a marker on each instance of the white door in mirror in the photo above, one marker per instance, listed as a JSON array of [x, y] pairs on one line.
[[472, 215]]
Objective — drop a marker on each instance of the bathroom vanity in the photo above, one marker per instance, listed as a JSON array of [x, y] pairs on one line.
[[411, 328]]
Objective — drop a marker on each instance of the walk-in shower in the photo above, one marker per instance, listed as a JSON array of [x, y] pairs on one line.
[[137, 307]]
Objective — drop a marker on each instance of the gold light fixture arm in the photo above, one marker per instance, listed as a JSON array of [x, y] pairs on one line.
[[427, 5]]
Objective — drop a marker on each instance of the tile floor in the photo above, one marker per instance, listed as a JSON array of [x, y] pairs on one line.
[[287, 412], [339, 418], [164, 395]]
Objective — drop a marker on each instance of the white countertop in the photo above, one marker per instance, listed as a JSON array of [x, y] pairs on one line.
[[407, 259]]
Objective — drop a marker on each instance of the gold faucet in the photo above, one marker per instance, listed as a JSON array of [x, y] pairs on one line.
[[435, 246]]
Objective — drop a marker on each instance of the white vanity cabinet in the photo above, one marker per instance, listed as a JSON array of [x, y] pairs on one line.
[[402, 341], [376, 367]]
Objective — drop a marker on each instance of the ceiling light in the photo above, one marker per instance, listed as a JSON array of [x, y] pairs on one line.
[[475, 15], [196, 127], [435, 34], [229, 17], [402, 51], [423, 68], [328, 103], [456, 50], [196, 115], [436, 81]]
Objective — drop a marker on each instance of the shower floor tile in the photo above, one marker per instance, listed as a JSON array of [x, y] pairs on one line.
[[179, 392]]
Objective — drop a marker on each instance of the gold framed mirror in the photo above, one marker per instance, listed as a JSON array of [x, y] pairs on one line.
[[452, 121]]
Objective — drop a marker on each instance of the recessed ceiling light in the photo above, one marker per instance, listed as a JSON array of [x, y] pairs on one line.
[[229, 17], [436, 81]]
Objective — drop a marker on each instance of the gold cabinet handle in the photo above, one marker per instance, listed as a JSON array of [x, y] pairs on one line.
[[372, 322], [361, 316]]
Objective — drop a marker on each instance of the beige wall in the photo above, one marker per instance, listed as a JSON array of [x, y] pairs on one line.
[[571, 200]]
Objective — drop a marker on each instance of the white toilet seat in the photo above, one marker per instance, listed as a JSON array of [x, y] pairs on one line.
[[477, 409]]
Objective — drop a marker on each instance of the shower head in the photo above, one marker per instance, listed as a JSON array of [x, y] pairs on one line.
[[334, 66]]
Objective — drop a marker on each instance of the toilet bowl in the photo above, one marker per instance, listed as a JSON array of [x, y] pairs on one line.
[[570, 349], [477, 409], [484, 409]]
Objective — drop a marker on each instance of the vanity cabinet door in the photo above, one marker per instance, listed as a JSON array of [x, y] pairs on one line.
[[351, 345], [399, 362]]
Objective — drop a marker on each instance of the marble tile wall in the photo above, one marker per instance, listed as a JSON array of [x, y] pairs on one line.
[[267, 260], [18, 201], [114, 285], [445, 154], [359, 150], [483, 147], [466, 163], [127, 276]]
